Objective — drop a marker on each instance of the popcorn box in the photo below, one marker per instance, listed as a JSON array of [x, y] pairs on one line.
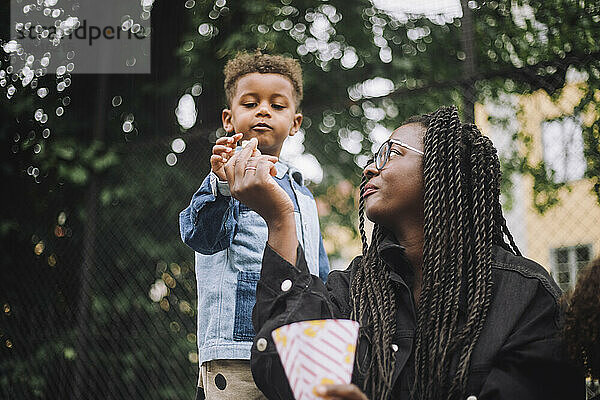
[[318, 352]]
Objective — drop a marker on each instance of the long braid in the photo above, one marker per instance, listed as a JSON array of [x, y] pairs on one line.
[[426, 365], [374, 304], [361, 216], [462, 221], [452, 279], [437, 278], [479, 288]]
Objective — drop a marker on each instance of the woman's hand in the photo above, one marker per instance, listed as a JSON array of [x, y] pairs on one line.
[[340, 392], [250, 181]]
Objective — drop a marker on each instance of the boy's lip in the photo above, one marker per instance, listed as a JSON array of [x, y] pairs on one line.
[[262, 126]]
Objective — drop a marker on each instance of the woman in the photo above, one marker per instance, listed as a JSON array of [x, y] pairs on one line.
[[447, 307], [582, 325]]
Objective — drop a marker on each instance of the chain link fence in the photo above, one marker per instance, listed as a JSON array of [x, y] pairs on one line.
[[98, 294], [104, 306]]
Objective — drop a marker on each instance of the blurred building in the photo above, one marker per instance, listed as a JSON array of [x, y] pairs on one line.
[[566, 236]]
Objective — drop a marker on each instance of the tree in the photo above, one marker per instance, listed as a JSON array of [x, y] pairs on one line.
[[125, 325], [97, 290], [513, 47]]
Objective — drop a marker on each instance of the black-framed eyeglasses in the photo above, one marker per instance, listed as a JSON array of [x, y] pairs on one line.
[[383, 154]]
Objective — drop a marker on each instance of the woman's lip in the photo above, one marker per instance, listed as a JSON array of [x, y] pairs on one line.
[[369, 192]]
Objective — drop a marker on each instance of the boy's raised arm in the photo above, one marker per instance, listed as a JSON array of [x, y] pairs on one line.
[[208, 223]]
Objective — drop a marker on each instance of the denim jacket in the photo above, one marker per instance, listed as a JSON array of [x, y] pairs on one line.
[[229, 239]]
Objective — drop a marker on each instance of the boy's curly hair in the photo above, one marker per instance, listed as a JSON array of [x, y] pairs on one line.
[[582, 320], [245, 63]]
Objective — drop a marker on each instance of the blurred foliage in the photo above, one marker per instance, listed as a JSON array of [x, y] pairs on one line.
[[100, 289], [520, 47], [86, 193]]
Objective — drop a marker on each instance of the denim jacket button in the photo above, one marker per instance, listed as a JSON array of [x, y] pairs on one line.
[[261, 344], [395, 347], [286, 285], [472, 398]]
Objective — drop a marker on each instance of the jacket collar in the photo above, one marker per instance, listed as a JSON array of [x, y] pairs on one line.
[[283, 168], [394, 256]]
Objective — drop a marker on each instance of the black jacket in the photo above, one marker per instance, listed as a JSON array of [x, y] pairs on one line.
[[519, 355]]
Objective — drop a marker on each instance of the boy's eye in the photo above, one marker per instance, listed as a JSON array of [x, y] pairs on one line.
[[249, 105], [278, 106]]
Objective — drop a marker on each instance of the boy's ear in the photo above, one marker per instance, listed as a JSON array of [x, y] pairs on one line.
[[296, 125], [226, 119]]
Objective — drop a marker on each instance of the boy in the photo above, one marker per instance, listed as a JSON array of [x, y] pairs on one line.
[[263, 95]]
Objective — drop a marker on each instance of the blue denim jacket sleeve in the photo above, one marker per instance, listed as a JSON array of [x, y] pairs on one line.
[[323, 261], [207, 225]]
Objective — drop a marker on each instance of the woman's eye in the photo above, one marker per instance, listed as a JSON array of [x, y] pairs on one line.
[[395, 152]]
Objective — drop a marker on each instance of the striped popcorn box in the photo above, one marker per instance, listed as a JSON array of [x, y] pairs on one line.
[[318, 352]]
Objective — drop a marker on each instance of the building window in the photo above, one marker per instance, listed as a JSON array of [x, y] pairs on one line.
[[567, 262], [563, 149]]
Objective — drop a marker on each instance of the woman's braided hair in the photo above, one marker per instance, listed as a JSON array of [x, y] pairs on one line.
[[462, 221]]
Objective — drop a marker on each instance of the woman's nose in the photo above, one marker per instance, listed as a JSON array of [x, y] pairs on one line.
[[370, 170]]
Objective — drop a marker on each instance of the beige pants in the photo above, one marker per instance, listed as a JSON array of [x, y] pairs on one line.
[[228, 380]]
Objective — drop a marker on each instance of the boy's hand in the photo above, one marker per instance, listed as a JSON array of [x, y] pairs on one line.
[[222, 152]]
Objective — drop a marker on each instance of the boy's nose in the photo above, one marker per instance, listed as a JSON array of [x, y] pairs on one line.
[[262, 109]]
